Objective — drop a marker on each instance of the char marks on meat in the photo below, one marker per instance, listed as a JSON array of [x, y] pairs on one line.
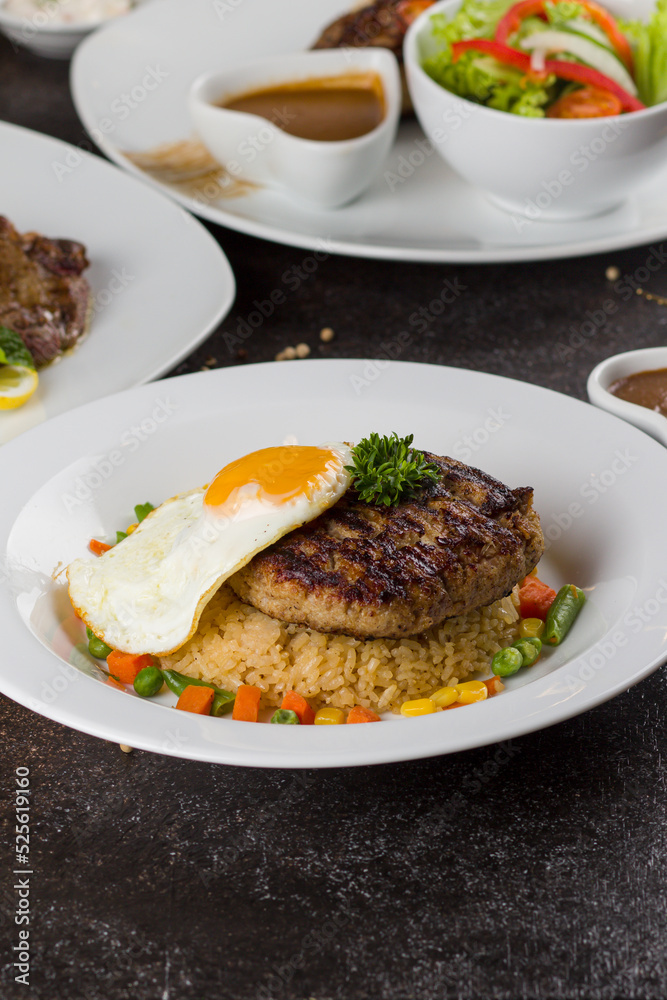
[[365, 571], [43, 294]]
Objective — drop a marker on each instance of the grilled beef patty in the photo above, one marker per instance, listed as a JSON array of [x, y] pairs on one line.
[[369, 571], [43, 295]]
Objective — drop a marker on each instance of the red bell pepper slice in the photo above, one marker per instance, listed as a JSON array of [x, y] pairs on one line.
[[511, 22], [559, 67]]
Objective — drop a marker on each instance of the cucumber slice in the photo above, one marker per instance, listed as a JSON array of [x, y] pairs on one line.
[[580, 27], [589, 52]]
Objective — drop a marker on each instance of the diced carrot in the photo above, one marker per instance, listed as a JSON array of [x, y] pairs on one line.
[[125, 666], [112, 682], [535, 598], [246, 703], [359, 714], [495, 686], [293, 702], [196, 699], [456, 704], [98, 548]]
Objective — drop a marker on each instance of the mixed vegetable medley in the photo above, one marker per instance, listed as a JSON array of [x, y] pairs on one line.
[[550, 58]]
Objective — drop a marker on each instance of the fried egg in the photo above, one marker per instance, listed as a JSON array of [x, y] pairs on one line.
[[146, 594]]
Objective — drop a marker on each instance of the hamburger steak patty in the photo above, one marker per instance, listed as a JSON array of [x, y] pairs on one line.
[[369, 571]]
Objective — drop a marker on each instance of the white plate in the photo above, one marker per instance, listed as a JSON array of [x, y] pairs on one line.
[[160, 282], [417, 208], [598, 485]]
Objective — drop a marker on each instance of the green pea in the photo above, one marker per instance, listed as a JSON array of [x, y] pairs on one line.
[[530, 649], [90, 633], [506, 662], [120, 535], [98, 648], [285, 717], [567, 604], [148, 682]]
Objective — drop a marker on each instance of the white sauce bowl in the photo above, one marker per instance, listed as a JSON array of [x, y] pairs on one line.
[[620, 366], [323, 174]]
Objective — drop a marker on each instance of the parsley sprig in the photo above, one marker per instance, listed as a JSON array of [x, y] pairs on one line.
[[387, 470]]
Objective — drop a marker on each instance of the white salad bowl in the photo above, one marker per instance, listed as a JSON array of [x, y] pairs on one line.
[[620, 366], [42, 34], [536, 168], [253, 149]]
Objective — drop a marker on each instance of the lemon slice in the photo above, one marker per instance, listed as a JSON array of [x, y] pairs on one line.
[[17, 384]]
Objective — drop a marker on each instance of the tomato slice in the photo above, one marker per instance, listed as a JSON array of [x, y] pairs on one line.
[[589, 102], [576, 72], [511, 22]]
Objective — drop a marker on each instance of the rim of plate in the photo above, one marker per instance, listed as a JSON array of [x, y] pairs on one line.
[[92, 707], [222, 299]]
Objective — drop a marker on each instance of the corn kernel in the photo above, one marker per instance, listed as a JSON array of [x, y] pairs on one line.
[[131, 528], [445, 696], [471, 691], [329, 717], [422, 706], [531, 628], [533, 571]]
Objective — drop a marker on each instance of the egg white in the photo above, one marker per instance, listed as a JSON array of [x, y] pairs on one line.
[[146, 594]]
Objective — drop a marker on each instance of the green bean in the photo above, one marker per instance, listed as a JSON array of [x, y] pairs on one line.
[[148, 682], [567, 604], [98, 648], [285, 717], [178, 682], [530, 648], [223, 702], [506, 662]]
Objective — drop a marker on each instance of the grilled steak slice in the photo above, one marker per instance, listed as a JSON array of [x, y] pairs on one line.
[[43, 294], [363, 570]]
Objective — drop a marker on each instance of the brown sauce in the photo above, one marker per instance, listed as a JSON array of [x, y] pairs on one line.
[[328, 109], [647, 389]]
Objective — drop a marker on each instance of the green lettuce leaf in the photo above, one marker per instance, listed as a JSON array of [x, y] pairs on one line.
[[479, 77], [649, 43]]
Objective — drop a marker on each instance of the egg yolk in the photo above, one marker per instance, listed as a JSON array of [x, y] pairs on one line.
[[279, 473]]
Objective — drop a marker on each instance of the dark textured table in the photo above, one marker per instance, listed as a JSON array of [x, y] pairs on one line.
[[542, 875]]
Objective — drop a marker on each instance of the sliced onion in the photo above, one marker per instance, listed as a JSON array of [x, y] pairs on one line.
[[537, 60]]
